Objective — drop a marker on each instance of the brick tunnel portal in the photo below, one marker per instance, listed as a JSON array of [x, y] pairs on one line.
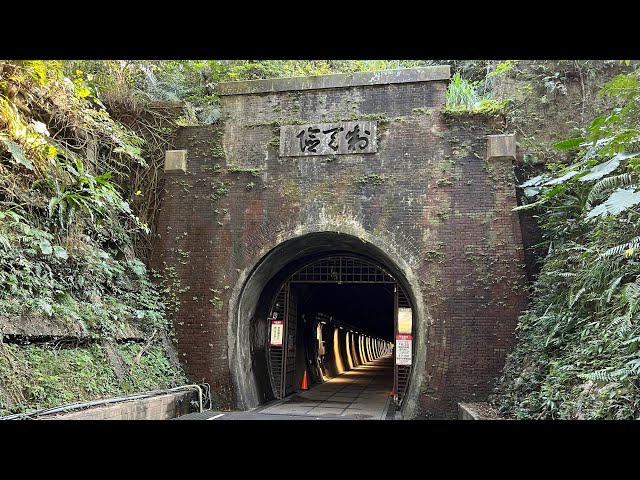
[[369, 165]]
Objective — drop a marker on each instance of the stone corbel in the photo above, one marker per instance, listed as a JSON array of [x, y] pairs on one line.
[[175, 161], [501, 147]]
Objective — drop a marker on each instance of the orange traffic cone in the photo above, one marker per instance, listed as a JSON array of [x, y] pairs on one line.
[[305, 382]]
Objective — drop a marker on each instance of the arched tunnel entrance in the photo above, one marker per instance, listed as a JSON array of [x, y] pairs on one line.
[[324, 304], [335, 313]]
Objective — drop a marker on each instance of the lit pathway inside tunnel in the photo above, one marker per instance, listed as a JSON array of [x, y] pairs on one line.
[[362, 393]]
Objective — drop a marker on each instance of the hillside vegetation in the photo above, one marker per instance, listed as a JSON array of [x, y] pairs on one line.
[[578, 351], [67, 255]]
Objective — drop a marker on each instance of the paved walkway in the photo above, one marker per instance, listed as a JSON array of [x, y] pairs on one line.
[[361, 393]]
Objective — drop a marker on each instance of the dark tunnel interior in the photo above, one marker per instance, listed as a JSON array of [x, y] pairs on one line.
[[365, 307], [335, 312]]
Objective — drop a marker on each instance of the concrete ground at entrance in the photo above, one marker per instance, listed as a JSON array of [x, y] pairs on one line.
[[362, 393]]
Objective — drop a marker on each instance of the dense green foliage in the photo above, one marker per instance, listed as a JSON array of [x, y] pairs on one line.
[[578, 352], [462, 94], [66, 237], [65, 246], [472, 96]]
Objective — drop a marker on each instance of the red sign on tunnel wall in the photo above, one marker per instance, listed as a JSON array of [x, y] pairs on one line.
[[403, 349], [277, 327]]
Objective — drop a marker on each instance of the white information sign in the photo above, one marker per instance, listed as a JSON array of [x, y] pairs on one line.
[[403, 349], [277, 327]]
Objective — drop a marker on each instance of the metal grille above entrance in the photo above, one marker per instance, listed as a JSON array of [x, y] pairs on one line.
[[342, 269]]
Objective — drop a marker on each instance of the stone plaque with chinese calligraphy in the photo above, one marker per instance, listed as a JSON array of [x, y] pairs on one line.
[[328, 138]]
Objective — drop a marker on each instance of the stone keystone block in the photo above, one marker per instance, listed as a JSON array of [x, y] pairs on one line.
[[175, 161], [501, 147]]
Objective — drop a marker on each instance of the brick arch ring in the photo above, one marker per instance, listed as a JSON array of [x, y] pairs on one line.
[[247, 326]]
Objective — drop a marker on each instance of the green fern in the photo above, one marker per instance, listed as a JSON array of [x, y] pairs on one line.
[[618, 249], [632, 367], [612, 287], [631, 295], [608, 183], [577, 296], [584, 318], [605, 375], [621, 324]]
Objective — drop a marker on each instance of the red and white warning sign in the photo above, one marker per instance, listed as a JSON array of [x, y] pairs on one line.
[[277, 327], [403, 349]]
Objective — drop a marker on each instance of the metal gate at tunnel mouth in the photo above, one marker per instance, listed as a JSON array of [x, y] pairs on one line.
[[360, 346]]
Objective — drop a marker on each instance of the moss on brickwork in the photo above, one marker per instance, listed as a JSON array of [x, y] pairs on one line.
[[254, 172], [217, 151], [291, 189], [422, 111], [369, 179]]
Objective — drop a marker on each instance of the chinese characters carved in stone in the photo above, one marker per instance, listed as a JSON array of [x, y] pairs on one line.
[[328, 138]]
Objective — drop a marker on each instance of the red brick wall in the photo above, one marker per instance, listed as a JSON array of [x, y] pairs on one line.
[[427, 192]]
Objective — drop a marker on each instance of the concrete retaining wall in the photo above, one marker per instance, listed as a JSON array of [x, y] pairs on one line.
[[161, 407], [477, 411], [466, 413]]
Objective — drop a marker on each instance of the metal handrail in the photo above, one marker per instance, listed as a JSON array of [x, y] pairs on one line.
[[76, 406]]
